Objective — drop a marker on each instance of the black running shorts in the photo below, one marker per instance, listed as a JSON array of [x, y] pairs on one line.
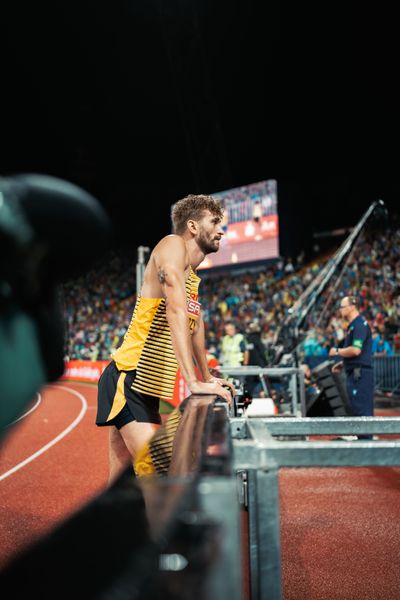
[[118, 403]]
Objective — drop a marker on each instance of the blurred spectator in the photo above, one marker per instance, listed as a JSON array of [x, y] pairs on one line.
[[289, 267], [233, 347], [381, 346], [256, 357]]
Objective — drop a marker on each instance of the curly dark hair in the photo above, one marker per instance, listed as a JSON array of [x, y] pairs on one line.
[[193, 207]]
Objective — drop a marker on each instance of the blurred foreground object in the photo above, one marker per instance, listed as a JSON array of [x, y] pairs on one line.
[[50, 230], [174, 535]]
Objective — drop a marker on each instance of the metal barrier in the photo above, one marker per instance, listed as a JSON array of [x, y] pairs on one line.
[[386, 371], [203, 454], [258, 456], [292, 375], [387, 374]]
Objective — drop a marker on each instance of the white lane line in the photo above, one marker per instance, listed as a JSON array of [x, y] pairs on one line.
[[25, 414], [56, 439]]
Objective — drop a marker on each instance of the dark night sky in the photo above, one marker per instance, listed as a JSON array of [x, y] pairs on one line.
[[141, 103]]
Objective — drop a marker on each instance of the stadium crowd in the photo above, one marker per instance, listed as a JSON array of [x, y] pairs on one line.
[[96, 305], [95, 308]]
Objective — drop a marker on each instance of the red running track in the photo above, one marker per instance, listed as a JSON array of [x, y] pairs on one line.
[[340, 528], [340, 532], [67, 465]]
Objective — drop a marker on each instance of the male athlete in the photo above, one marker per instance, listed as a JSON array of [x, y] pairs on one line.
[[166, 332]]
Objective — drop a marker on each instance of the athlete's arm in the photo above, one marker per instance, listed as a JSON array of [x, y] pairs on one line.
[[199, 353], [199, 349], [171, 262]]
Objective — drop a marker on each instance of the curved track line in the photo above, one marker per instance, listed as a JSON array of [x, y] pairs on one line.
[[56, 439], [28, 411]]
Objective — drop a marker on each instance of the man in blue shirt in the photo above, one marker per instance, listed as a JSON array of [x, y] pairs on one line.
[[357, 361], [381, 346]]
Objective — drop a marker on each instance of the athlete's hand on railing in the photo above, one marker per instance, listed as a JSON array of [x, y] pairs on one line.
[[225, 383], [215, 375], [211, 387]]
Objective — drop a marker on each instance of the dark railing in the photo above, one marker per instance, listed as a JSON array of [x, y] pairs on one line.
[[171, 536]]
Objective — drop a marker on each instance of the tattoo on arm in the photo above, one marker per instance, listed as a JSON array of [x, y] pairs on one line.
[[162, 276]]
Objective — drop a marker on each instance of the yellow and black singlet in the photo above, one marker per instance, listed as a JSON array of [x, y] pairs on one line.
[[147, 345]]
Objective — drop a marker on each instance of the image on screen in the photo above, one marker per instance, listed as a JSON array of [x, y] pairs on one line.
[[250, 224]]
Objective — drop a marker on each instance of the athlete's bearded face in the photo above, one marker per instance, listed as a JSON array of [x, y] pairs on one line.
[[210, 233]]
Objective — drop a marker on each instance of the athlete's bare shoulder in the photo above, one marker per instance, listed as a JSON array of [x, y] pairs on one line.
[[168, 256], [171, 242], [171, 248]]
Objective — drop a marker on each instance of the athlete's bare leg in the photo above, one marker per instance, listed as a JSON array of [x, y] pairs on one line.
[[125, 443], [118, 454]]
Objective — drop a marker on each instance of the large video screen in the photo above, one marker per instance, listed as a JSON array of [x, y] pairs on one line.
[[250, 223]]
